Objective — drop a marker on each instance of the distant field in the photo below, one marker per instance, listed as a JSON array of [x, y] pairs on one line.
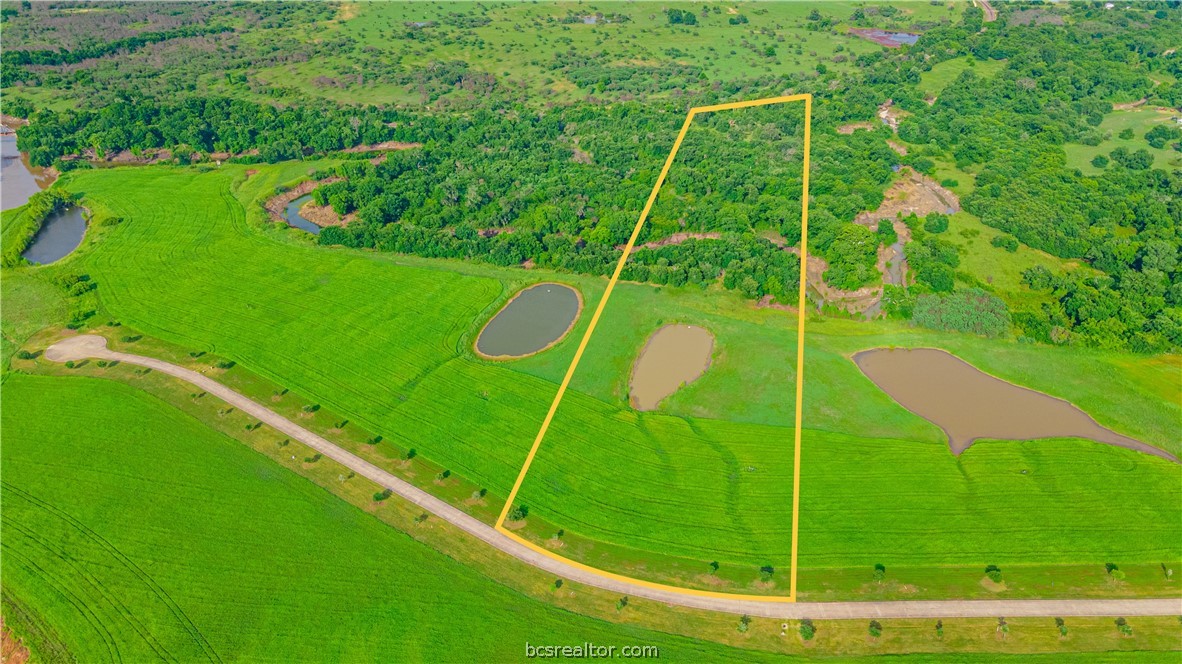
[[385, 341], [218, 554], [518, 42], [1140, 120], [933, 82]]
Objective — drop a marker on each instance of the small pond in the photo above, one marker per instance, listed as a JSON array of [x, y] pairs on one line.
[[60, 233], [534, 320], [18, 180], [292, 214], [674, 356], [969, 404]]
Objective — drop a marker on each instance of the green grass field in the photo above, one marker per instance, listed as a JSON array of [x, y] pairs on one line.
[[1140, 120], [221, 555], [933, 81], [385, 342]]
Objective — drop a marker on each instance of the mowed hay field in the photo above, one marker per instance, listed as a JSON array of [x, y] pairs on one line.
[[133, 532], [386, 342]]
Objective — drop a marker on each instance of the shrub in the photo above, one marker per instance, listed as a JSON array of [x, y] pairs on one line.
[[744, 623], [382, 495], [1109, 568], [622, 603], [69, 364], [879, 572], [935, 222], [519, 513], [374, 441], [444, 474], [313, 459], [968, 310], [129, 338], [1100, 161], [557, 583], [422, 517], [226, 364], [1124, 627], [939, 629], [766, 572], [25, 355], [1062, 626], [714, 567], [311, 408], [411, 453], [807, 629], [875, 629], [1007, 242], [993, 572]]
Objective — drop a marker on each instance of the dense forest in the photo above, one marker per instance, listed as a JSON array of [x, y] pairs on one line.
[[501, 179]]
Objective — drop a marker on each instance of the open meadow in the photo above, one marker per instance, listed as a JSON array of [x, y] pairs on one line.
[[385, 342]]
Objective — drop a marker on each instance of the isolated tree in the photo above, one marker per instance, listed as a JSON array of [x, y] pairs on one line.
[[875, 629], [879, 571], [744, 623], [1061, 625], [807, 629]]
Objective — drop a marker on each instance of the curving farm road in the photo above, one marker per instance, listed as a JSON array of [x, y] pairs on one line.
[[93, 346]]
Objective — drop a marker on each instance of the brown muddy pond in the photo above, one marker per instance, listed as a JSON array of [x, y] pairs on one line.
[[674, 356], [969, 404], [534, 320]]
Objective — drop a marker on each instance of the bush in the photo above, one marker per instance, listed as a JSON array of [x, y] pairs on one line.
[[807, 629], [766, 572], [311, 408], [1124, 627], [411, 453], [314, 458], [879, 572], [1100, 161], [935, 223], [1062, 626], [25, 355], [519, 513], [993, 572], [382, 495], [1007, 242], [875, 629], [744, 623], [224, 364]]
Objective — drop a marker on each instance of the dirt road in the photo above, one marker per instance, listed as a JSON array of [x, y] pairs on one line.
[[92, 346], [990, 12]]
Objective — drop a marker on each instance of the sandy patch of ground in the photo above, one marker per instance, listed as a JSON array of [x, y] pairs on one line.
[[12, 649], [766, 302], [988, 584], [385, 145], [324, 215], [676, 238], [850, 128], [711, 580], [899, 147], [277, 205], [1128, 106], [912, 192], [891, 114]]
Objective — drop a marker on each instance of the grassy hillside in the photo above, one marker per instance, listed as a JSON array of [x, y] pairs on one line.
[[221, 555], [385, 342]]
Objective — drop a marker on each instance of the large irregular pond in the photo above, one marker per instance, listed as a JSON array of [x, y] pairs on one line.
[[18, 180], [60, 234], [534, 320], [969, 404], [292, 214], [674, 356]]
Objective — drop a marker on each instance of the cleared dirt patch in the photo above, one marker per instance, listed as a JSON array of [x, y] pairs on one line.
[[969, 404], [676, 238]]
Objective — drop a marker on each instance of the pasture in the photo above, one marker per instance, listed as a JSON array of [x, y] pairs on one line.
[[385, 341], [1140, 121], [933, 81], [221, 555]]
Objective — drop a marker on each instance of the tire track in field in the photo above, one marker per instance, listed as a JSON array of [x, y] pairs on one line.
[[106, 546], [91, 346]]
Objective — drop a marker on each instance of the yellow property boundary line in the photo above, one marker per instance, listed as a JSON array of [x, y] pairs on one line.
[[611, 284]]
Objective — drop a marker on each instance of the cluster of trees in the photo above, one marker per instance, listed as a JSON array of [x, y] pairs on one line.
[[21, 58], [40, 206], [200, 124], [681, 17]]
